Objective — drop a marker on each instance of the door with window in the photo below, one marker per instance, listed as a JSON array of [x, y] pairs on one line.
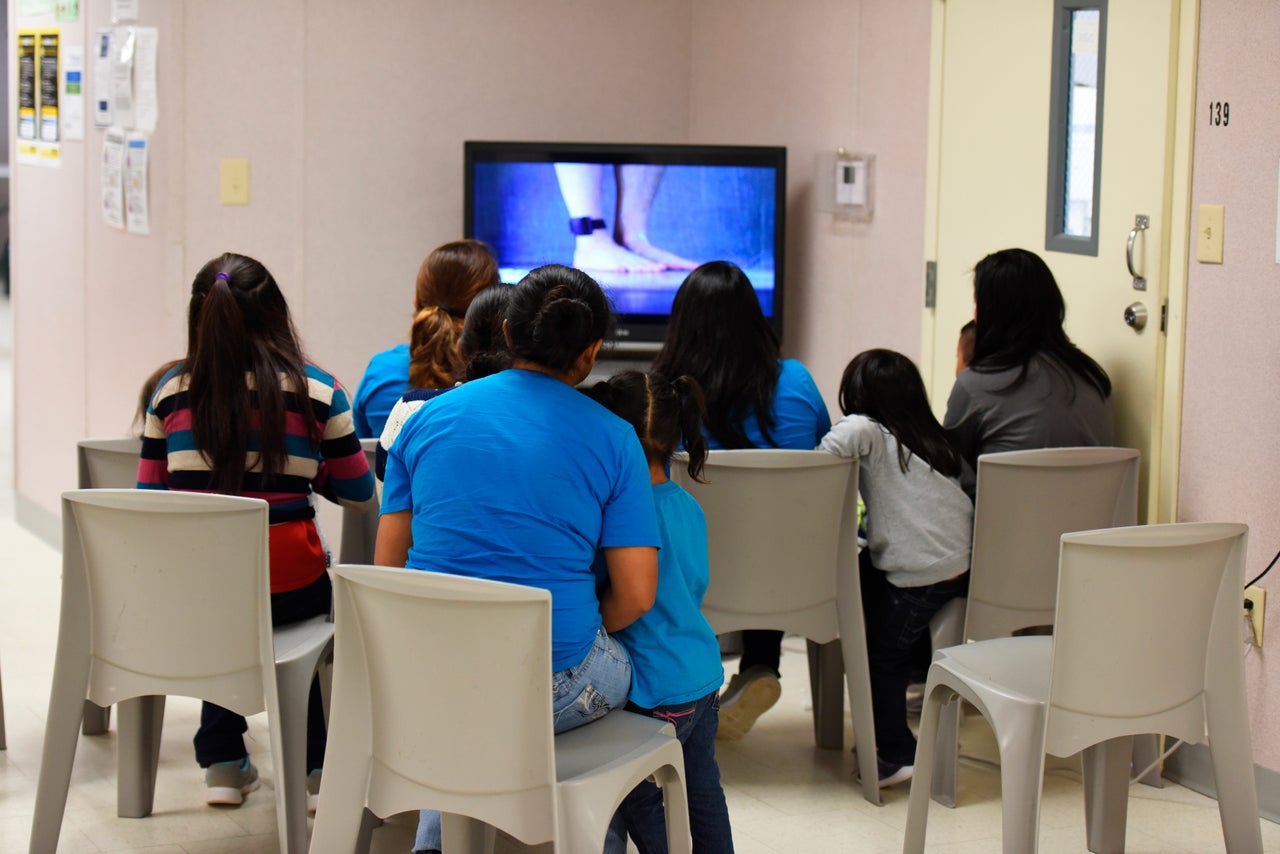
[[1053, 130]]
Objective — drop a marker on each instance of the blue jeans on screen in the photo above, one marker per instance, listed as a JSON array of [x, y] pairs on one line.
[[641, 813], [579, 695]]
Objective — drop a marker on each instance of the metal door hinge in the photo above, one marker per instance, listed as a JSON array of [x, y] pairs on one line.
[[930, 284]]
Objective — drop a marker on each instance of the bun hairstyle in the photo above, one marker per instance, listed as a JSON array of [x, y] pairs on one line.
[[448, 280], [482, 343], [665, 414], [556, 313], [238, 323]]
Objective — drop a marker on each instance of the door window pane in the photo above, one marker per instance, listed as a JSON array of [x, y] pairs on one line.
[[1075, 138]]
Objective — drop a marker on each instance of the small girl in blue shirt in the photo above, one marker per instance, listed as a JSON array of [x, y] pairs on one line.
[[675, 657]]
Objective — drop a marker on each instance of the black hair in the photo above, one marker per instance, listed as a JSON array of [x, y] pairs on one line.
[[886, 387], [719, 336], [556, 313], [238, 323], [665, 413], [482, 343], [1019, 315]]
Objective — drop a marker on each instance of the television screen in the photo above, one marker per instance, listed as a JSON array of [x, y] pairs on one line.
[[637, 218]]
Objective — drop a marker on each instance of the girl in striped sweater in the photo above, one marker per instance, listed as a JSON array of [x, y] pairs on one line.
[[246, 414]]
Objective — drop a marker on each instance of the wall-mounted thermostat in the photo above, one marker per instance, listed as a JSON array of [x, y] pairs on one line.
[[846, 183]]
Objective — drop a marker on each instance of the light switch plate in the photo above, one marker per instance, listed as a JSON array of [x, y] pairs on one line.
[[1209, 234], [234, 181]]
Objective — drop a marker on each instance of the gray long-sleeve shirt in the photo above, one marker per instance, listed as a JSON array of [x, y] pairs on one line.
[[919, 522]]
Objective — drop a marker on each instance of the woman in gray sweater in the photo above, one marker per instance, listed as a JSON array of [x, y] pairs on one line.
[[1028, 386]]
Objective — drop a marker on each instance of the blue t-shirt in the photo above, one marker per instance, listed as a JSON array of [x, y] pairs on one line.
[[675, 657], [800, 417], [386, 378], [519, 478]]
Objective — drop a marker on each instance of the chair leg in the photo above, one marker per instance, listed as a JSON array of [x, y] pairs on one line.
[[293, 686], [1021, 740], [947, 754], [61, 734], [4, 744], [462, 835], [1105, 768], [140, 723], [826, 686], [1234, 778], [675, 805], [935, 699], [97, 719], [1146, 750]]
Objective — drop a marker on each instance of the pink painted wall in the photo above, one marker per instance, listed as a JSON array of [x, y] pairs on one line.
[[353, 119], [1230, 460], [816, 76]]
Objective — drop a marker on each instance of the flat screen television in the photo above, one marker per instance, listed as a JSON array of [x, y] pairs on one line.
[[637, 218]]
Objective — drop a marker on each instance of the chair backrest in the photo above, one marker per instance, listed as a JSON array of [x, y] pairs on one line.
[[781, 527], [359, 524], [447, 680], [1026, 500], [173, 592], [1148, 622], [108, 463]]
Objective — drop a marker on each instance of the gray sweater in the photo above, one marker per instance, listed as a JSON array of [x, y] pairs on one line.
[[919, 522], [1046, 411]]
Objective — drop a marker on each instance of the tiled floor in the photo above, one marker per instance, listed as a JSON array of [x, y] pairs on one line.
[[784, 795]]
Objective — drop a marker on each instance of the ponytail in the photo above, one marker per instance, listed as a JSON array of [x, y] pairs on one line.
[[220, 411], [664, 414], [433, 348]]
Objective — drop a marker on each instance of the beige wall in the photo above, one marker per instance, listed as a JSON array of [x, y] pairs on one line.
[[1230, 466]]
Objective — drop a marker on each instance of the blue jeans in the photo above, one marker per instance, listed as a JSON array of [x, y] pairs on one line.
[[641, 813], [579, 695], [897, 618]]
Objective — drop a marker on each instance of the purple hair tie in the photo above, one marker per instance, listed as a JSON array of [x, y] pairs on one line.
[[226, 277]]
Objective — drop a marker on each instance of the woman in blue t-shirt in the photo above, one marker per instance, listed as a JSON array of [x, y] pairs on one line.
[[519, 477], [719, 336]]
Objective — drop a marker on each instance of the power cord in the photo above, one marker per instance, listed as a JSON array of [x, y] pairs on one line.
[[1265, 571]]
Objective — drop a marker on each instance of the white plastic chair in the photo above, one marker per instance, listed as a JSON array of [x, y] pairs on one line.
[[1109, 672], [442, 699], [360, 524], [782, 528], [148, 578], [1025, 501], [105, 464]]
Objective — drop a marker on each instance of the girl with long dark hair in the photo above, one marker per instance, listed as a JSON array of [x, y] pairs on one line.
[[919, 527], [245, 413], [755, 399]]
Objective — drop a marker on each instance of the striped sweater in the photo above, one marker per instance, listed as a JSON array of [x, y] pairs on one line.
[[335, 468]]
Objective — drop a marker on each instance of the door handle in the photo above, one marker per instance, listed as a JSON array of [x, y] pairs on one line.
[[1140, 223]]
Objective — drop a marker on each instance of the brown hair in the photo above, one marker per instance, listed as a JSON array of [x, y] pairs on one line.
[[448, 280], [666, 414]]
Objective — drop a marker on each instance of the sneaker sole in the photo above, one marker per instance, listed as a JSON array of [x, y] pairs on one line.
[[312, 802], [758, 697], [229, 796], [902, 775]]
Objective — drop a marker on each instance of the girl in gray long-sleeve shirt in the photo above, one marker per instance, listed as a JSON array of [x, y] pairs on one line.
[[919, 529]]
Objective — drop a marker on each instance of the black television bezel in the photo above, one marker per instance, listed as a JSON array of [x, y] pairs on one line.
[[642, 331]]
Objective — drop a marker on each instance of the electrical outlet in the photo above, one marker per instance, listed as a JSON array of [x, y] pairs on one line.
[[1254, 615]]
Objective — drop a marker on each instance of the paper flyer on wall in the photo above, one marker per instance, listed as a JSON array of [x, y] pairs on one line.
[[73, 92], [103, 116], [27, 94], [145, 105], [122, 46], [113, 178], [137, 215], [124, 10]]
